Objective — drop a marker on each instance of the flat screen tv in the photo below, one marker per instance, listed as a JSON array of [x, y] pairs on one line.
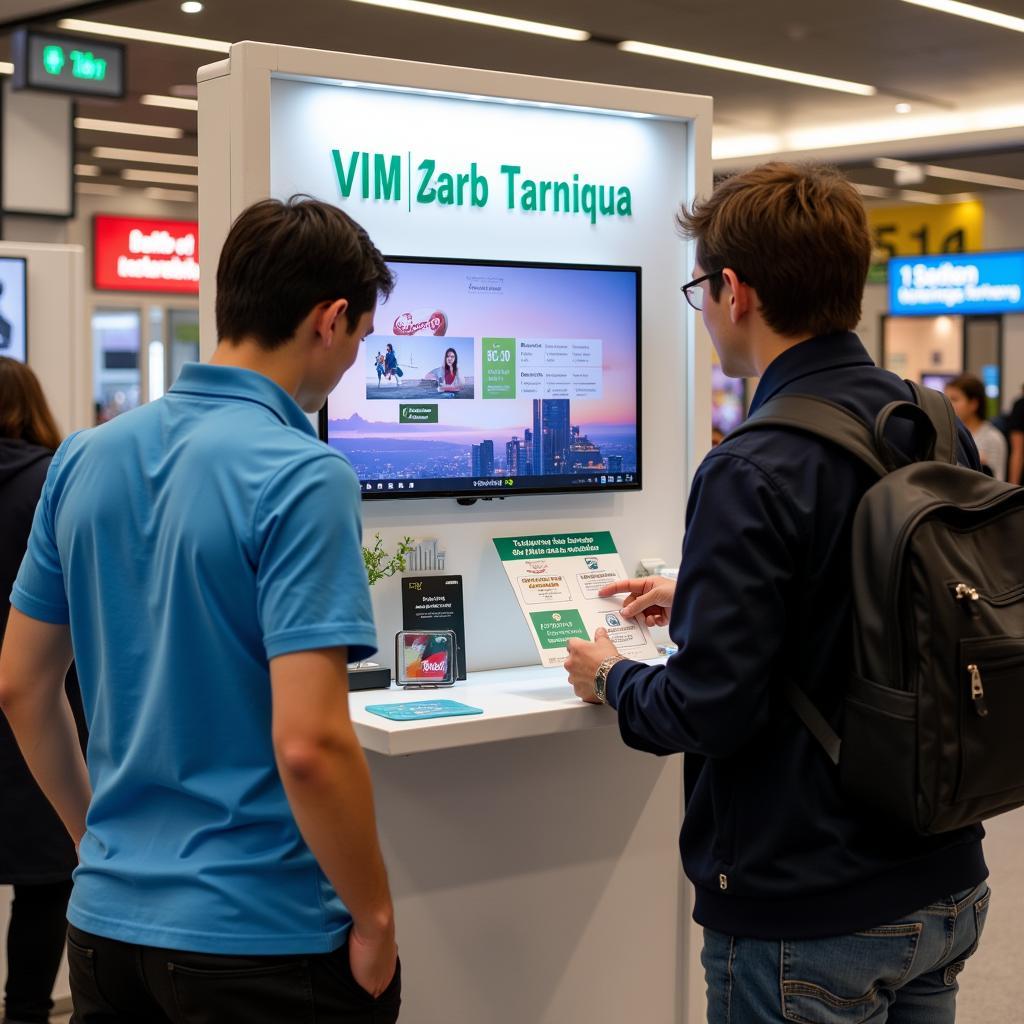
[[487, 379], [13, 308]]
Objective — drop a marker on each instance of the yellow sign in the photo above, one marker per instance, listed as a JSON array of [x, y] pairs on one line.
[[925, 230]]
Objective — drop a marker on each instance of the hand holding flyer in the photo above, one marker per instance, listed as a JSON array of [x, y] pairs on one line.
[[558, 579]]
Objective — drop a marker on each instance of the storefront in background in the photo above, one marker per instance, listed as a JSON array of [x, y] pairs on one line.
[[144, 315]]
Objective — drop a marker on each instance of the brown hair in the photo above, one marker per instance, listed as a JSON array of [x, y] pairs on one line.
[[24, 414], [973, 390], [280, 260], [797, 234]]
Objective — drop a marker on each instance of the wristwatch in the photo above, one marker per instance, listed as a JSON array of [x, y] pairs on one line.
[[601, 679]]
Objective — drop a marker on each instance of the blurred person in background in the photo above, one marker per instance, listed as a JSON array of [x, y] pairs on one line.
[[1016, 428], [967, 395], [37, 855]]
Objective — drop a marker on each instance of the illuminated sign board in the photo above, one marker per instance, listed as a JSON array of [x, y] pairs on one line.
[[135, 255], [68, 64], [989, 282]]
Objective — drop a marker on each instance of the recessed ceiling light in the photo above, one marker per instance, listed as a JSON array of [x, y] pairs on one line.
[[90, 188], [166, 177], [191, 7], [159, 131], [87, 170], [142, 156], [6, 68], [973, 12], [744, 67], [143, 35], [178, 195], [903, 108], [954, 174], [480, 18], [174, 102]]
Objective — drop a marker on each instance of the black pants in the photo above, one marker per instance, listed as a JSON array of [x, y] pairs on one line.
[[118, 983], [35, 942]]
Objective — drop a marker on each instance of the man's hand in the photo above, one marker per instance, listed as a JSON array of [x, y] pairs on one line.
[[373, 958], [650, 598], [583, 662]]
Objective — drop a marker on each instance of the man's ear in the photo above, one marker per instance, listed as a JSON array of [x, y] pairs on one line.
[[326, 317], [740, 295]]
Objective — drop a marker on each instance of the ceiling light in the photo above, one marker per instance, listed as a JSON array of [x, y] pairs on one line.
[[90, 188], [158, 131], [953, 174], [177, 195], [143, 35], [6, 68], [191, 7], [480, 18], [87, 171], [996, 18], [912, 174], [144, 157], [746, 68], [903, 108], [174, 102], [167, 177]]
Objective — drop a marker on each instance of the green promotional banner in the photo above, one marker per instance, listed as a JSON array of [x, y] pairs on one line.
[[498, 361], [417, 413], [556, 629], [554, 545]]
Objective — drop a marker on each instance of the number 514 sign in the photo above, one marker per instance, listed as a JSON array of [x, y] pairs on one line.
[[925, 230]]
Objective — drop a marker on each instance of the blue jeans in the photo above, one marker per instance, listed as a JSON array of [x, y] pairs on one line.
[[900, 973]]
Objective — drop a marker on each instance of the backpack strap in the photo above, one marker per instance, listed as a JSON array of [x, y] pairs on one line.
[[940, 412], [816, 723], [824, 419]]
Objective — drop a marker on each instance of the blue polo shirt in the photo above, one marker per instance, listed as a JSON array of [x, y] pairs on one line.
[[187, 543]]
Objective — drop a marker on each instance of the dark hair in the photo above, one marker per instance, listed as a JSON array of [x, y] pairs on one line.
[[455, 367], [280, 260], [797, 234], [24, 414], [973, 390]]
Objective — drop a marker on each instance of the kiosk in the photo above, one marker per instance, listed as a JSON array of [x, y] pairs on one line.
[[533, 857]]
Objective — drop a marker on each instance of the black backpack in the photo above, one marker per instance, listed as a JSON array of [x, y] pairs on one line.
[[933, 714]]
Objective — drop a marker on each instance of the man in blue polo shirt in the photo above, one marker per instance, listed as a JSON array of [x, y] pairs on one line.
[[202, 555], [814, 908]]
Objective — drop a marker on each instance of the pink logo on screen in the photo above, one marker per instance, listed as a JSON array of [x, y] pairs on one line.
[[435, 323]]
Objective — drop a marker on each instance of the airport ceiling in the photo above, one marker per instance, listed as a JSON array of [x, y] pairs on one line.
[[936, 63]]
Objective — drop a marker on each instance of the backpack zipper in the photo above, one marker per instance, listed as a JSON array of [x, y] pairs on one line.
[[966, 596], [977, 691]]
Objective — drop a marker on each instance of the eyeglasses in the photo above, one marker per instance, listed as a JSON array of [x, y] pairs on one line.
[[693, 291]]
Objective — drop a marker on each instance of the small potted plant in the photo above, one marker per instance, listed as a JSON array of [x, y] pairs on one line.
[[380, 564]]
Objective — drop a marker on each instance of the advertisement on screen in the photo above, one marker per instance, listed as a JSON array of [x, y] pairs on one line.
[[13, 314], [486, 378]]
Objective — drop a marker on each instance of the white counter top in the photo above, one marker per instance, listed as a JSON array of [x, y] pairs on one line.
[[517, 703]]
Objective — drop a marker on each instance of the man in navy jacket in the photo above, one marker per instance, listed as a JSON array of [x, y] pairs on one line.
[[813, 908]]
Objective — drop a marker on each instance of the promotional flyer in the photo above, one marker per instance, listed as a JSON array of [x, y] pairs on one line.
[[557, 578]]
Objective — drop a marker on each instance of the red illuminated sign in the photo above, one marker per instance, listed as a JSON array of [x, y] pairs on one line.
[[134, 255]]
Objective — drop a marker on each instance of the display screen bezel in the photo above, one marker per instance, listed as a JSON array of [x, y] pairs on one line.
[[469, 492]]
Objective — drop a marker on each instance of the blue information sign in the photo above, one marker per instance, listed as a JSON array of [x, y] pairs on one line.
[[989, 282]]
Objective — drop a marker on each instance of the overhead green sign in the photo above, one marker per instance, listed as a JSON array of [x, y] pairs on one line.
[[69, 64]]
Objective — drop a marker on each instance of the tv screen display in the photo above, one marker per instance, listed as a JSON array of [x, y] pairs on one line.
[[13, 319], [937, 381], [487, 379]]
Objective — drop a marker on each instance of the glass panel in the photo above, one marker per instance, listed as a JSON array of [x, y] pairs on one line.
[[116, 337], [155, 366], [184, 338], [983, 356]]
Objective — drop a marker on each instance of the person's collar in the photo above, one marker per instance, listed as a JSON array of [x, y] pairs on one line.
[[820, 354], [235, 383]]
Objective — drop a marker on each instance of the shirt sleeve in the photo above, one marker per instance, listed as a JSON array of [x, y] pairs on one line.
[[728, 620], [39, 589], [311, 585]]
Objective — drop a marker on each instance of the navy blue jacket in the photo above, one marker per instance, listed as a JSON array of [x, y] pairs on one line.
[[773, 848]]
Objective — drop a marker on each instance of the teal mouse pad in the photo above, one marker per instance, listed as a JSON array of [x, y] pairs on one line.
[[414, 711]]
